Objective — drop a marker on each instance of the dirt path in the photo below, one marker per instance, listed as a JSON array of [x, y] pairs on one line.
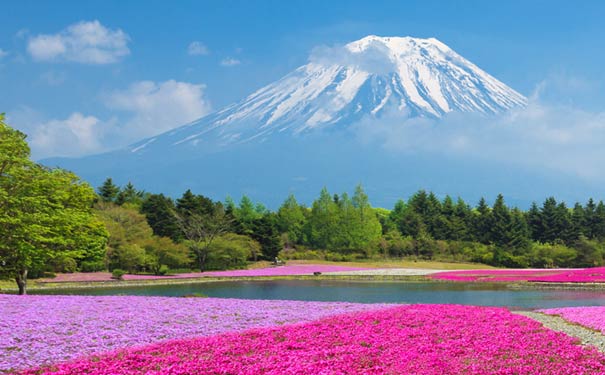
[[587, 336]]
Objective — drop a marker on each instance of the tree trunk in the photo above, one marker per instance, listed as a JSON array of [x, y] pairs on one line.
[[202, 261], [21, 280]]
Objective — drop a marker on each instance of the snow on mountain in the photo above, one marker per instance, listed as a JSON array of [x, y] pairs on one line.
[[367, 77]]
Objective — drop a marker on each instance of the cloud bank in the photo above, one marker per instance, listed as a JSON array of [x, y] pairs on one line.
[[540, 136], [144, 109], [87, 42]]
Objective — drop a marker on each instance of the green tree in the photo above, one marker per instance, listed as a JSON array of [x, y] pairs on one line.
[[159, 211], [44, 213], [129, 195], [291, 221], [108, 191], [201, 230], [128, 232]]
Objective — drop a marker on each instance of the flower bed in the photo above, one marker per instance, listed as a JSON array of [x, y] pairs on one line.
[[584, 275], [590, 317], [35, 330], [416, 339], [287, 270]]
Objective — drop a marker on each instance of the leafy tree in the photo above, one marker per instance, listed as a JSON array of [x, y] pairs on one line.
[[200, 231], [44, 213], [163, 252], [231, 251], [291, 221], [128, 232], [323, 221]]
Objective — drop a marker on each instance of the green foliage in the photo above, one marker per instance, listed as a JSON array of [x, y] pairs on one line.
[[44, 213], [231, 251], [162, 253], [118, 274], [108, 191]]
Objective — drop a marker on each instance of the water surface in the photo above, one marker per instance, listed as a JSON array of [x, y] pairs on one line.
[[365, 292]]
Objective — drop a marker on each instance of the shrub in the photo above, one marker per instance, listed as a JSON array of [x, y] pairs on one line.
[[118, 274]]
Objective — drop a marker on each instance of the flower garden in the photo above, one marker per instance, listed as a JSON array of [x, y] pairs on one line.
[[163, 335], [583, 275], [413, 339], [37, 330], [591, 317]]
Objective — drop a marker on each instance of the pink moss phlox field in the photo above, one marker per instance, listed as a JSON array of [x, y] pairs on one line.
[[36, 330], [287, 270], [415, 339], [585, 275], [591, 316]]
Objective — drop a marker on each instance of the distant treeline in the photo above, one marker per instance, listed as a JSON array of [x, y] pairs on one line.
[[340, 227]]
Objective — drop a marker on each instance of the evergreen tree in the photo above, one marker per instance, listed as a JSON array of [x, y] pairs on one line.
[[159, 211], [482, 221], [577, 223], [590, 220], [129, 195], [266, 233], [534, 222], [501, 223], [108, 191]]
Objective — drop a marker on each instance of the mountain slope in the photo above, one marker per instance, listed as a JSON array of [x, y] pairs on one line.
[[301, 133], [366, 78]]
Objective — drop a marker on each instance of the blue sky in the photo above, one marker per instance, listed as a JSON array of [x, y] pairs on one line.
[[163, 63]]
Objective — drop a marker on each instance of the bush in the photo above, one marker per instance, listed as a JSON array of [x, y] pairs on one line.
[[118, 274], [92, 266], [162, 271]]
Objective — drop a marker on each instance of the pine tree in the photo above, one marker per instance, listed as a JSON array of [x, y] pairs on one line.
[[159, 211], [108, 191], [534, 221], [501, 222]]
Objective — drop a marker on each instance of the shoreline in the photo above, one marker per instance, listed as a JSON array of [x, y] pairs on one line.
[[50, 286]]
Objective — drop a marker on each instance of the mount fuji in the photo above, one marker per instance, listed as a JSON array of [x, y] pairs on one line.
[[298, 134], [369, 77]]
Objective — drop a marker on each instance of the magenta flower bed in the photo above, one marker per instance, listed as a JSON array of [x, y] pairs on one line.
[[585, 275], [417, 339], [287, 270], [591, 317], [36, 330]]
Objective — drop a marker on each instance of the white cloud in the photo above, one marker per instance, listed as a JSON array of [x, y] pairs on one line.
[[555, 137], [87, 42], [229, 61], [197, 48], [157, 107], [76, 135], [148, 108]]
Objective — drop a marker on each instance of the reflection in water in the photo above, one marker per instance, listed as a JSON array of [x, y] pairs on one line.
[[366, 292]]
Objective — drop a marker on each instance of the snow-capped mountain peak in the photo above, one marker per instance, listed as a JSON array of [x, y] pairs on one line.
[[341, 85]]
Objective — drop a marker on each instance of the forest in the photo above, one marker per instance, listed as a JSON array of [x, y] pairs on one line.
[[206, 234], [52, 221]]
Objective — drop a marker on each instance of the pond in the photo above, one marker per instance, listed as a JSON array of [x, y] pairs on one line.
[[365, 292]]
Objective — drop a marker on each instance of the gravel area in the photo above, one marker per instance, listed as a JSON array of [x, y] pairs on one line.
[[387, 272], [585, 335]]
